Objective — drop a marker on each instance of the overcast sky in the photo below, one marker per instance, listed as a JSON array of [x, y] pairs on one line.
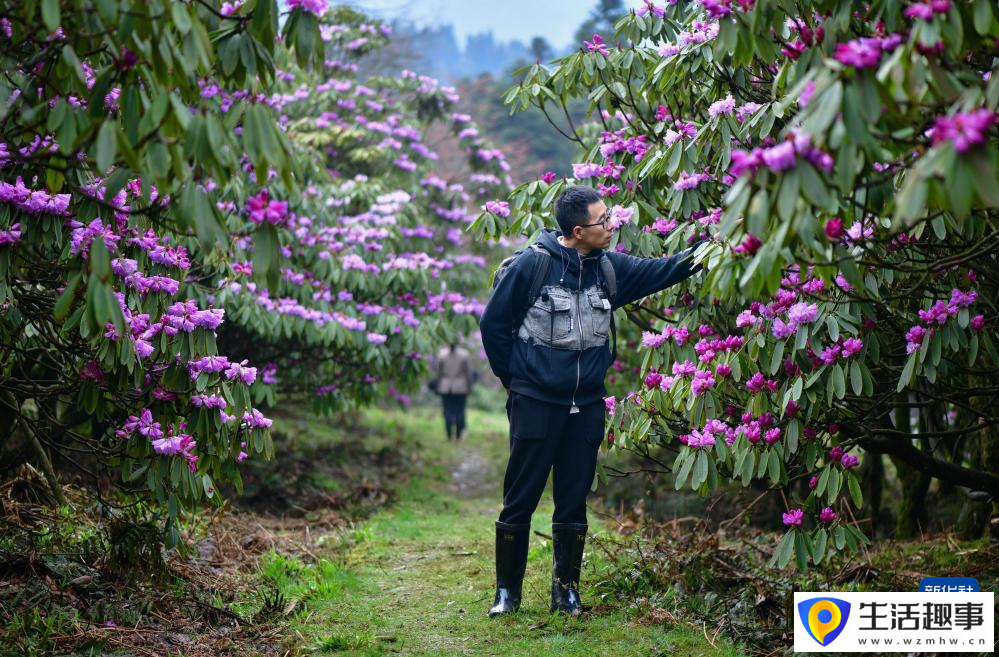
[[555, 20]]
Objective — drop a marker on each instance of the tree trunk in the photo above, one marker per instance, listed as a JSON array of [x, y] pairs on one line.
[[983, 446], [912, 506], [46, 465], [872, 475]]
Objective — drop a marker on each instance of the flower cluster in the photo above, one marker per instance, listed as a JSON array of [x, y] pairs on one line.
[[793, 517], [798, 314], [687, 180], [499, 208], [938, 314], [865, 52], [317, 7], [965, 129], [33, 201], [780, 157], [261, 208], [758, 383], [927, 9]]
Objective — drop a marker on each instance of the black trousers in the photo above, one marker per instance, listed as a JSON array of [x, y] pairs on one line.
[[545, 438], [454, 414]]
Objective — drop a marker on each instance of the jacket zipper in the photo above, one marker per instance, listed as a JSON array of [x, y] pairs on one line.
[[579, 354]]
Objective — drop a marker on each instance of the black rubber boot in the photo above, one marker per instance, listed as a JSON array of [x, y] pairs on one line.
[[568, 540], [511, 561]]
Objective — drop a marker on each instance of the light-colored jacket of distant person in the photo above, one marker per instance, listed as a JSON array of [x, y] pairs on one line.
[[454, 372]]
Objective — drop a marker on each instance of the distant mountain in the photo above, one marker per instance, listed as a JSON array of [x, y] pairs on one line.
[[435, 51]]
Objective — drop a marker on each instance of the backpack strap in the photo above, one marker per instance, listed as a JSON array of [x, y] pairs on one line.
[[539, 274], [610, 277], [542, 263], [610, 283]]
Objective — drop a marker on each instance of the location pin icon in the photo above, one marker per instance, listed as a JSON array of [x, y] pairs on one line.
[[823, 618]]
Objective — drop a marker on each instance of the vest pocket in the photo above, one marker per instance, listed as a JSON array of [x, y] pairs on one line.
[[549, 319], [600, 314]]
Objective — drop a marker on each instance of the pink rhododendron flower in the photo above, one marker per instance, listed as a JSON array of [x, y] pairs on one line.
[[865, 52], [597, 45], [849, 461], [834, 228], [793, 517], [654, 340], [749, 246], [852, 346], [964, 129], [724, 106], [317, 7], [500, 208]]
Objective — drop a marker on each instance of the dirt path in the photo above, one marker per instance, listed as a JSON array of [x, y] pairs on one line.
[[423, 578]]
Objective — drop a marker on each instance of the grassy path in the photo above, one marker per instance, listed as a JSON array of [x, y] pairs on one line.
[[417, 577]]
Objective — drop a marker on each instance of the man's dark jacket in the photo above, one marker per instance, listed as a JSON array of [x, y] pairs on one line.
[[561, 352]]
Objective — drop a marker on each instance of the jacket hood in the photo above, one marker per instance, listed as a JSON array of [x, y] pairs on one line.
[[549, 240]]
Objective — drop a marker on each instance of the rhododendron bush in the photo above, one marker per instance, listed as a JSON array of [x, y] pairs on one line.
[[842, 158], [202, 208]]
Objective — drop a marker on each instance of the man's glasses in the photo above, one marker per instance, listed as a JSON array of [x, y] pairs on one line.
[[604, 221]]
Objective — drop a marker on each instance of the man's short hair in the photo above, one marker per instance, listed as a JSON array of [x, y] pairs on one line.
[[572, 207]]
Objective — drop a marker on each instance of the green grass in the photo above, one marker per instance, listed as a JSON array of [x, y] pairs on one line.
[[416, 578]]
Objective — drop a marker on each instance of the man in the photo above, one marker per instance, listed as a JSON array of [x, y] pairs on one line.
[[552, 366]]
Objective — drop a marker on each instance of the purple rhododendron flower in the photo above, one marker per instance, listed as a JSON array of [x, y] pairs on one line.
[[849, 461], [793, 517], [597, 45], [852, 346], [964, 129], [317, 7], [827, 515], [500, 208], [834, 228], [724, 106]]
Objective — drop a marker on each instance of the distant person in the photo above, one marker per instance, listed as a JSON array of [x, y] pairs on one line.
[[552, 356], [453, 380]]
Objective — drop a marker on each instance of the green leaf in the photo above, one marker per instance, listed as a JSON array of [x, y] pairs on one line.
[[787, 197], [833, 327], [775, 475], [985, 180], [801, 550], [777, 356], [782, 556], [856, 379], [65, 300], [910, 204], [823, 480], [983, 16], [839, 537], [181, 17], [700, 470], [50, 14], [853, 484], [100, 260], [838, 381], [903, 380], [835, 483], [107, 139], [819, 545], [681, 477], [826, 107]]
